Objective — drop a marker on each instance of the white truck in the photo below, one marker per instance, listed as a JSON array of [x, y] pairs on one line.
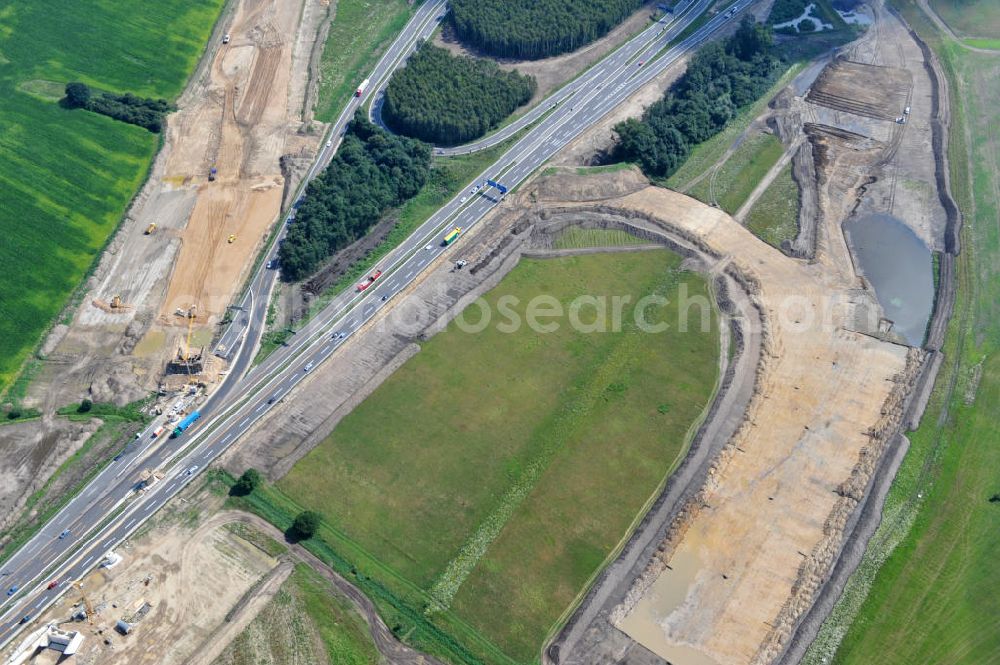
[[361, 88]]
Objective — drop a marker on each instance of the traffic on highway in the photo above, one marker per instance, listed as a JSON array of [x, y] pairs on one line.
[[112, 507]]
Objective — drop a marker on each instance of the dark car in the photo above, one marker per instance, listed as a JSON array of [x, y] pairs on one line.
[[11, 591]]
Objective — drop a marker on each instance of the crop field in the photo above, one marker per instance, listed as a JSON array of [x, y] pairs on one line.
[[492, 475], [66, 177], [360, 32], [925, 592], [774, 217], [303, 617], [736, 179], [970, 18]]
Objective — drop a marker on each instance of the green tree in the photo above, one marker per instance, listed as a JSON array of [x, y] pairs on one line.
[[77, 95], [247, 483], [85, 406], [306, 524]]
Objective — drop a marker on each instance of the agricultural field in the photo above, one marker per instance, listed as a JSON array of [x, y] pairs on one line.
[[66, 177], [360, 32], [304, 617], [970, 18], [494, 473], [774, 217], [925, 590], [732, 183]]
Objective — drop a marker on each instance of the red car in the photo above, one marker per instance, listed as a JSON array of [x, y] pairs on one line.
[[53, 584], [371, 278]]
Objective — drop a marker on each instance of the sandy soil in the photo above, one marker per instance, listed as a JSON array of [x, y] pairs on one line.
[[190, 569]]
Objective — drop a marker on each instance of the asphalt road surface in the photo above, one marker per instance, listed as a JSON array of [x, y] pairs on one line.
[[109, 510]]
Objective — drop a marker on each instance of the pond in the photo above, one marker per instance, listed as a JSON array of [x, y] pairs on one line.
[[899, 267]]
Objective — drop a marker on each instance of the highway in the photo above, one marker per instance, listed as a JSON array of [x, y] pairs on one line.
[[109, 508]]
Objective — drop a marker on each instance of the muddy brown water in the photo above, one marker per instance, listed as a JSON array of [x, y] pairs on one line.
[[899, 267]]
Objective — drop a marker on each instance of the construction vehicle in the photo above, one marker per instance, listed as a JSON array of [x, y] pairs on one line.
[[150, 229], [158, 431], [452, 236], [371, 279], [361, 88], [88, 608], [225, 38], [232, 238], [212, 172]]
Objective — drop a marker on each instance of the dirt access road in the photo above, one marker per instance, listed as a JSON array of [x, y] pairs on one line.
[[246, 108]]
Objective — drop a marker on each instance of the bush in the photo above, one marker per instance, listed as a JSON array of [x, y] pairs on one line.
[[305, 525], [786, 10], [721, 79], [77, 95], [533, 29], [449, 100], [14, 414], [247, 483], [85, 406], [371, 172]]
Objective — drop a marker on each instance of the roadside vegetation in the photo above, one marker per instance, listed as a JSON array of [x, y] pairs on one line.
[[360, 32], [534, 29], [67, 176], [774, 217], [577, 238], [447, 100], [925, 590], [144, 112], [721, 79], [477, 491], [970, 18], [371, 172]]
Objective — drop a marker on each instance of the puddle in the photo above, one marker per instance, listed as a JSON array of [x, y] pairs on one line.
[[899, 267], [647, 623]]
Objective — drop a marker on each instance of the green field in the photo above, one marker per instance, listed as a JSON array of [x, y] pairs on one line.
[[926, 590], [305, 614], [360, 32], [491, 476], [970, 18], [775, 215], [66, 177], [577, 238], [736, 179]]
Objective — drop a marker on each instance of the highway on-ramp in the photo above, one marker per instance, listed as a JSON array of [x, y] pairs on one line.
[[109, 509]]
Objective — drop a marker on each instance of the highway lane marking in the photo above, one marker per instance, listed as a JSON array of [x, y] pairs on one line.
[[88, 561], [261, 407], [244, 423], [325, 349], [228, 436]]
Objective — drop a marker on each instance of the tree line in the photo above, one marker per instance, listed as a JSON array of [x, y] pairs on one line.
[[447, 100], [722, 78], [145, 112], [372, 171], [533, 29]]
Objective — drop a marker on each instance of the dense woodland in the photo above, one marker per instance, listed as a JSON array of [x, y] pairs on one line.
[[533, 29], [371, 172], [723, 77], [449, 100], [142, 111]]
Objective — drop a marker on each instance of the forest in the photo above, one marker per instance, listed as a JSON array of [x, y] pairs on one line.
[[145, 112], [448, 100], [370, 173], [722, 78], [534, 29]]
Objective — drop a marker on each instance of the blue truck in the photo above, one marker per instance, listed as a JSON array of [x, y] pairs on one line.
[[184, 424]]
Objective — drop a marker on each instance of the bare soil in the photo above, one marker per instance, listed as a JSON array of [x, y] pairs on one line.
[[189, 569]]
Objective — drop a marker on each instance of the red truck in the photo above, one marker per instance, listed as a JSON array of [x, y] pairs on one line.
[[371, 279]]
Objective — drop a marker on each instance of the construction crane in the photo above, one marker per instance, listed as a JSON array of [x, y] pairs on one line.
[[88, 608]]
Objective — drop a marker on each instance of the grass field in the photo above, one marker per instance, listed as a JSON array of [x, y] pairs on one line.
[[970, 18], [774, 217], [66, 177], [303, 616], [577, 238], [359, 33], [491, 475], [737, 177], [925, 592]]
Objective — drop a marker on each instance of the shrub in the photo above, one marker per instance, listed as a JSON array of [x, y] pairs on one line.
[[247, 483], [306, 524], [85, 406], [77, 95]]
